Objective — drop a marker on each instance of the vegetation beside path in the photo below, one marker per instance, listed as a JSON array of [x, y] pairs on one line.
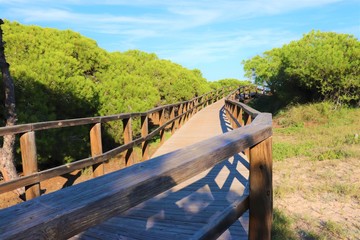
[[316, 170]]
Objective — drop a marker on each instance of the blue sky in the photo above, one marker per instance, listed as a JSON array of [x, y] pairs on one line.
[[213, 36]]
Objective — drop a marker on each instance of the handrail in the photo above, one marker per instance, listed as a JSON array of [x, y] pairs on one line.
[[91, 202], [34, 177], [22, 128]]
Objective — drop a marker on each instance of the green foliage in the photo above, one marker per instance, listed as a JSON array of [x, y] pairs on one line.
[[321, 65], [62, 75], [228, 82]]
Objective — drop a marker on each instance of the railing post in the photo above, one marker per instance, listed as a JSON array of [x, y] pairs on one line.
[[230, 112], [161, 123], [261, 193], [129, 156], [191, 108], [200, 101], [248, 121], [227, 107], [29, 161], [188, 108], [188, 115], [235, 114], [240, 117], [172, 116], [196, 101], [184, 111], [96, 149], [180, 111], [144, 133]]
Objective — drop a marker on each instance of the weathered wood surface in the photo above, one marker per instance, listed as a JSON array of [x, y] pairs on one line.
[[128, 146], [96, 148], [29, 161], [22, 128], [89, 203], [261, 198], [207, 123], [197, 208]]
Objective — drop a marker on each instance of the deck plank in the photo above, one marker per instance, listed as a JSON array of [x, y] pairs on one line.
[[182, 210]]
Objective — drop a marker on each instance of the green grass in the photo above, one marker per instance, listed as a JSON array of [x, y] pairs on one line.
[[334, 229], [282, 227], [316, 152], [317, 131]]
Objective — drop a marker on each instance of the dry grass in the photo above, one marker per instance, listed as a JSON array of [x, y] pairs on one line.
[[317, 174]]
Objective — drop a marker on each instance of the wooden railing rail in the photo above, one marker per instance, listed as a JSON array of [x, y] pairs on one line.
[[32, 177], [260, 156], [89, 203]]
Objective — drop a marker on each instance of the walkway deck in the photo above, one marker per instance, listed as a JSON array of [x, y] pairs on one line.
[[183, 210]]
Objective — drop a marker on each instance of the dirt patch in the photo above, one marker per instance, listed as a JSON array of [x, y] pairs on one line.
[[322, 197]]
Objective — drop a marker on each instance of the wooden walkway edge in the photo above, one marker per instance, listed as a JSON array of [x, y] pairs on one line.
[[182, 211]]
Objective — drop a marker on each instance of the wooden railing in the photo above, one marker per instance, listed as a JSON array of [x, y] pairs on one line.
[[259, 154], [170, 116], [90, 203]]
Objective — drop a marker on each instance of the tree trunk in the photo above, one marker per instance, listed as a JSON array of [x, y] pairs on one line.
[[7, 166]]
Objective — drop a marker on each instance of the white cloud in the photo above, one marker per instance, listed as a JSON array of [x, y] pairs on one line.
[[209, 48], [174, 16], [184, 31]]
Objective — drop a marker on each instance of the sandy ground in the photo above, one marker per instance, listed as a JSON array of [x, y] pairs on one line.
[[316, 192]]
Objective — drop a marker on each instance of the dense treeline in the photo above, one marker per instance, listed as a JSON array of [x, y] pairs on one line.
[[61, 75], [320, 66]]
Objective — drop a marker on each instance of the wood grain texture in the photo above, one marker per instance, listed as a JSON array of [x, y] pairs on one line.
[[29, 161], [96, 200], [261, 193], [41, 176], [22, 128], [144, 133], [128, 137], [161, 123], [96, 149], [224, 220]]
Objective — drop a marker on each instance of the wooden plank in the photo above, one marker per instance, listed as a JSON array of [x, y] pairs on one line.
[[223, 221], [96, 149], [131, 228], [261, 193], [29, 161], [63, 169], [196, 202], [88, 203], [245, 108]]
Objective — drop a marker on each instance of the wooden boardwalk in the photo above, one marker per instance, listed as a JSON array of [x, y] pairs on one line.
[[182, 211]]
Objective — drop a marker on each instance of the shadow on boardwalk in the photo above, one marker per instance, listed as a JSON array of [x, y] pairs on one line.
[[181, 211]]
